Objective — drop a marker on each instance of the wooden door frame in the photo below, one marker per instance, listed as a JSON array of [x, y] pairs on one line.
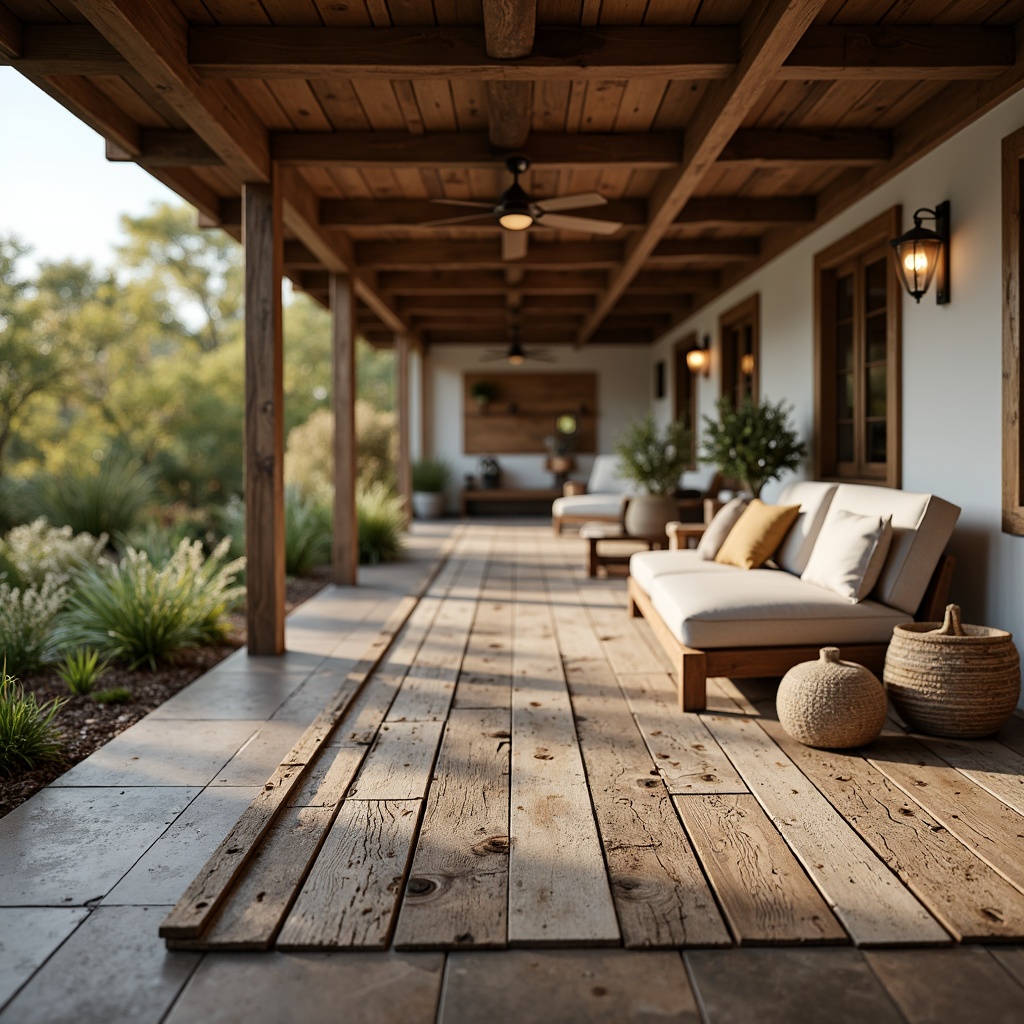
[[682, 372], [1013, 430], [749, 308]]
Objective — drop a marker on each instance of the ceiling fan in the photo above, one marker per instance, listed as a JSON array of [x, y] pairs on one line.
[[515, 211], [515, 354]]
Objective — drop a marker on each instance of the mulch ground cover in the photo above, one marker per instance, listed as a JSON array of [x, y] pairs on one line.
[[85, 725]]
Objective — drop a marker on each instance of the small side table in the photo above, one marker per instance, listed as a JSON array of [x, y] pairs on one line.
[[595, 533]]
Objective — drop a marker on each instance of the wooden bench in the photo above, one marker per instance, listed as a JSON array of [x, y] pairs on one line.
[[595, 533], [538, 497]]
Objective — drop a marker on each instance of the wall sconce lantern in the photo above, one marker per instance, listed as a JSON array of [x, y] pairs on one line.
[[922, 254], [698, 360], [747, 364]]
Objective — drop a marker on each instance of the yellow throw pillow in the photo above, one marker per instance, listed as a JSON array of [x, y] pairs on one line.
[[756, 535]]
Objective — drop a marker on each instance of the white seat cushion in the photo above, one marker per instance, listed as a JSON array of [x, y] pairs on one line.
[[646, 566], [764, 608], [589, 505]]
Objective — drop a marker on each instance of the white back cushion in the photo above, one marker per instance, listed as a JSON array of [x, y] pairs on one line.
[[606, 479], [814, 499], [698, 479], [921, 527]]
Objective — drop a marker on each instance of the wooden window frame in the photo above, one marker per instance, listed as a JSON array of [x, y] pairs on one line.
[[748, 309], [1013, 431], [682, 374], [853, 247]]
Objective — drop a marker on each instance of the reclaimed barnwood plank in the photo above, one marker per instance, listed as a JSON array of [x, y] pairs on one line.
[[763, 891], [970, 899], [400, 762], [866, 897], [987, 763], [350, 896], [457, 892], [325, 783], [558, 887]]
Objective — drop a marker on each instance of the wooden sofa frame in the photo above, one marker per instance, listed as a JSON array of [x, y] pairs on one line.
[[692, 667]]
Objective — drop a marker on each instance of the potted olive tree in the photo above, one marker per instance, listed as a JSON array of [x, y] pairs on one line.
[[654, 460], [429, 479], [752, 442]]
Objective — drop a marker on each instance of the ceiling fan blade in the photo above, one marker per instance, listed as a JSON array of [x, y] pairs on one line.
[[539, 356], [463, 202], [589, 224], [454, 220], [577, 202], [513, 245]]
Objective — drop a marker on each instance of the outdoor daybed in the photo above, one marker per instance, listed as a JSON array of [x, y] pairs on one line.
[[607, 489], [720, 620]]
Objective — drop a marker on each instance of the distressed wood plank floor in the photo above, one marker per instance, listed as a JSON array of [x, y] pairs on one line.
[[516, 773]]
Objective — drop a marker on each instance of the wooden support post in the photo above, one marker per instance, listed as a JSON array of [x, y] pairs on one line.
[[426, 404], [404, 466], [509, 27], [345, 550], [264, 419]]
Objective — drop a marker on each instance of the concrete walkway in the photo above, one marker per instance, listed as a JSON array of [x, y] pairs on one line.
[[90, 865]]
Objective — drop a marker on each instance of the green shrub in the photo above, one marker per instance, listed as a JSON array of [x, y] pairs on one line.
[[37, 550], [109, 499], [381, 522], [115, 695], [230, 520], [138, 614], [28, 736], [81, 669], [430, 475], [159, 541], [27, 616], [307, 532], [651, 459]]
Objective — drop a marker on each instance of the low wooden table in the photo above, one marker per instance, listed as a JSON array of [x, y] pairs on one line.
[[511, 496], [595, 533]]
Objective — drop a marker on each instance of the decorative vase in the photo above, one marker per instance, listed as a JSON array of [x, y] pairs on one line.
[[427, 504], [954, 680], [830, 703], [648, 514]]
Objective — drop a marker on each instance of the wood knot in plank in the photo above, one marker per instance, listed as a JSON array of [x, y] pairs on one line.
[[492, 844], [420, 886]]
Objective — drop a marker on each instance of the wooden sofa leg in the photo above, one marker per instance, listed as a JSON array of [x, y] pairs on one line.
[[556, 525], [634, 609], [692, 680]]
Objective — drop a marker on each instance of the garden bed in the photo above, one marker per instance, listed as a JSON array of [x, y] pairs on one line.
[[86, 725]]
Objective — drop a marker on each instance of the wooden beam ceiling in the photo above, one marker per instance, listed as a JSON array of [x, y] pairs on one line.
[[768, 32], [509, 27]]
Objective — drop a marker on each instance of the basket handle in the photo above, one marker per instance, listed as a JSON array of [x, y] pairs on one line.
[[951, 623]]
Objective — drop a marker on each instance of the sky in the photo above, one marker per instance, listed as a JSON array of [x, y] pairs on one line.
[[58, 192]]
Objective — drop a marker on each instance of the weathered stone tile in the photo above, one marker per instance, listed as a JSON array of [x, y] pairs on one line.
[[256, 761], [166, 868], [113, 970], [233, 694], [28, 935], [316, 988], [72, 845], [156, 752]]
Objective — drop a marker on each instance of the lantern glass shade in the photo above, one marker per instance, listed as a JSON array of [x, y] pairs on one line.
[[918, 253], [747, 364], [698, 360]]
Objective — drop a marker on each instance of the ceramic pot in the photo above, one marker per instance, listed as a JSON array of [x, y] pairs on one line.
[[648, 514], [427, 504]]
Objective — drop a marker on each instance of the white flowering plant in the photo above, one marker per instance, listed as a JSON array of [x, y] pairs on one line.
[[31, 553], [753, 442], [653, 459], [27, 617]]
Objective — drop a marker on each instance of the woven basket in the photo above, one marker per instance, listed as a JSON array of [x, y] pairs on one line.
[[953, 680], [830, 703]]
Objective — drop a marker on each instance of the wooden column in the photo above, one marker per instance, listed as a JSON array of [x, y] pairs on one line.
[[345, 552], [426, 405], [404, 465], [264, 419]]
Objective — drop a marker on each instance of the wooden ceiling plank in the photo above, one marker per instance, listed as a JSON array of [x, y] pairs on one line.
[[12, 35], [444, 254], [424, 280], [152, 37], [854, 147], [770, 32], [730, 209], [63, 50]]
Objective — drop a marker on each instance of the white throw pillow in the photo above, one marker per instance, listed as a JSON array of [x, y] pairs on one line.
[[718, 529], [849, 554]]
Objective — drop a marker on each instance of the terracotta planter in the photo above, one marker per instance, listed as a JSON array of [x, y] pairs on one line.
[[648, 514]]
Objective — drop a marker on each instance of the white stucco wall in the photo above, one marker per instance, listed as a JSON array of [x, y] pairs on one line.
[[952, 387], [624, 390]]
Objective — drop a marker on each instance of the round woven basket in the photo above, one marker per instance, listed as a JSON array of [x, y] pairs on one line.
[[952, 679], [830, 703]]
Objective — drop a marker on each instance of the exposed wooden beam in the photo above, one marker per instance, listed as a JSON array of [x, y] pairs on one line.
[[701, 250], [469, 151], [95, 108], [531, 305], [152, 37], [11, 34], [425, 280], [449, 255], [160, 147], [67, 50], [769, 32], [745, 210], [509, 27], [264, 420], [901, 51], [656, 282], [581, 53], [851, 147]]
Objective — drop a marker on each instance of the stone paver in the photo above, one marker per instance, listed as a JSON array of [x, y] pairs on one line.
[[314, 988], [233, 694], [258, 759], [166, 868], [28, 935], [161, 752], [72, 845], [113, 970]]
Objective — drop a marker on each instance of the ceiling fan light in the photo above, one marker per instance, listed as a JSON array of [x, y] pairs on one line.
[[515, 220], [516, 359]]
